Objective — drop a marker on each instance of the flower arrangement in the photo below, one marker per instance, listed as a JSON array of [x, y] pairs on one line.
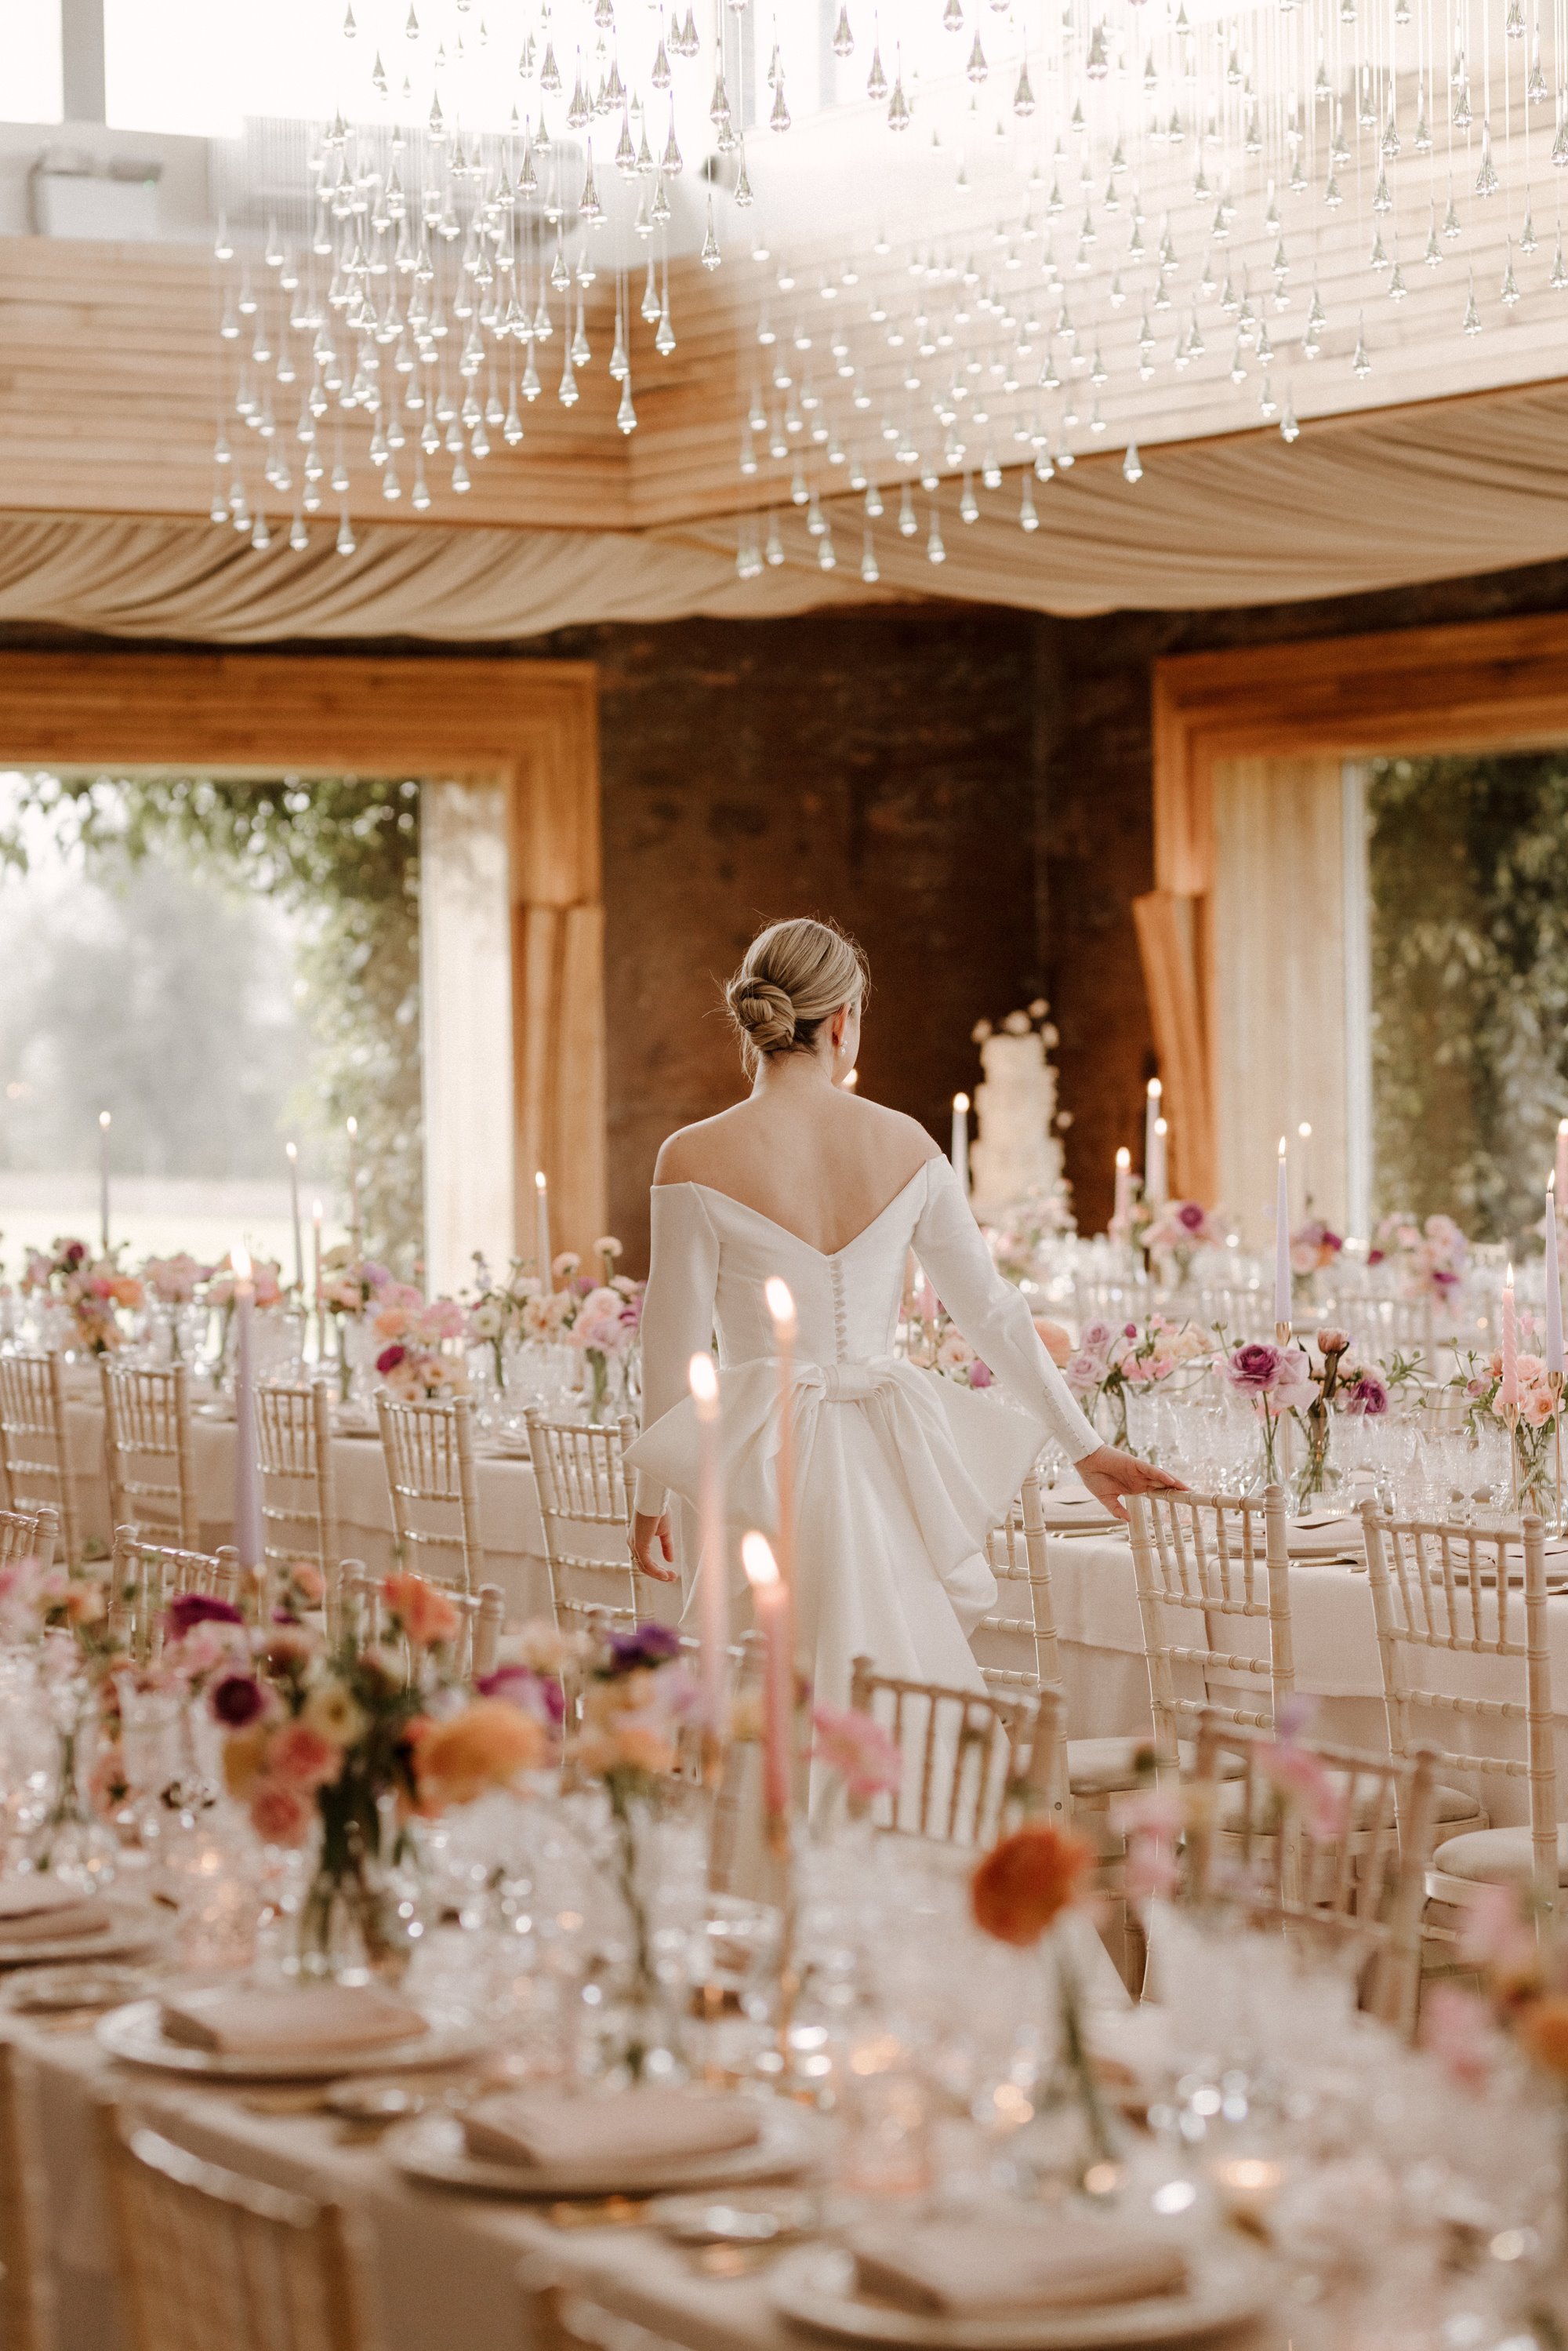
[[1018, 1892], [92, 1289], [1430, 1259], [862, 1753], [265, 1281], [497, 1310], [957, 1361], [1479, 1380], [1019, 1240], [636, 1699], [175, 1281], [603, 1319], [353, 1743], [1314, 1245], [1522, 2004], [417, 1330], [1179, 1228], [1116, 1361]]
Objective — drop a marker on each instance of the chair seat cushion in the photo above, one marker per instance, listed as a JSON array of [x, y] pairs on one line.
[[1109, 1767], [1497, 1856]]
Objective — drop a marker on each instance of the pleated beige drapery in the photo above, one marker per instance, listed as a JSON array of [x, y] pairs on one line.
[[1359, 503]]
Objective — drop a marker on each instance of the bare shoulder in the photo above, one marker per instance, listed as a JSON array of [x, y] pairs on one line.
[[902, 1140], [685, 1154]]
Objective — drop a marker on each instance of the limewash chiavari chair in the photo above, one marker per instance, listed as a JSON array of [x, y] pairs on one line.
[[35, 1465], [1447, 1609], [1362, 1892], [26, 2303], [581, 1477], [209, 2260], [29, 1534], [1209, 1562], [147, 1422], [480, 1615], [966, 1754], [298, 1483], [145, 1577], [429, 1453]]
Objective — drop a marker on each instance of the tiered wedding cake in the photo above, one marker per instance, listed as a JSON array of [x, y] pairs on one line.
[[1016, 1155]]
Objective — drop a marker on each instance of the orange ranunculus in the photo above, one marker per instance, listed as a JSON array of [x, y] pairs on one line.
[[1543, 2030], [425, 1613], [1022, 1884], [486, 1746], [242, 1753]]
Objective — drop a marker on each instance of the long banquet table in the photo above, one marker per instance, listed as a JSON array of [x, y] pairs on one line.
[[442, 2265]]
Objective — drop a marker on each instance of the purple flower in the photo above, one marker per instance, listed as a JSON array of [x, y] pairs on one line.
[[237, 1699], [1368, 1397], [1129, 1330], [390, 1358], [520, 1687], [1254, 1368], [1192, 1215], [980, 1375], [193, 1608], [650, 1644]]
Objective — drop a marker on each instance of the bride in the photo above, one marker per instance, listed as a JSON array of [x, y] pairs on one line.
[[898, 1473]]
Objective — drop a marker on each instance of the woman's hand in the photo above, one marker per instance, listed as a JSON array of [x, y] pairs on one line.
[[1109, 1475], [653, 1545]]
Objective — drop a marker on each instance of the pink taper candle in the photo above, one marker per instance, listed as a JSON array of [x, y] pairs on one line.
[[712, 1614], [1553, 1283], [1508, 1392], [781, 1307], [771, 1600], [1562, 1159], [248, 1465], [1282, 1245]]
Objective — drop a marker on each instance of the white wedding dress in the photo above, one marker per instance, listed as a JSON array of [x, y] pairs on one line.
[[899, 1473]]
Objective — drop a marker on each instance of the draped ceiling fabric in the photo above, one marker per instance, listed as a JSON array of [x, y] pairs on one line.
[[1441, 491]]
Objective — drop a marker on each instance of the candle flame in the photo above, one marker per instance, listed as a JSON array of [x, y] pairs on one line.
[[315, 1210], [292, 1151], [756, 1558], [960, 1104], [539, 1179], [780, 1305], [1507, 1277], [1562, 1126], [1305, 1130], [353, 1127], [702, 1376], [1123, 1157], [1282, 1146], [239, 1258], [1552, 1180], [103, 1120], [1153, 1090]]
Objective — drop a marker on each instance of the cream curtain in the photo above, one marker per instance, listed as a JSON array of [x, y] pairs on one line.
[[1371, 501]]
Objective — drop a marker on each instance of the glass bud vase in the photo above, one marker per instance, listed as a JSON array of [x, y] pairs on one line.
[[360, 1916]]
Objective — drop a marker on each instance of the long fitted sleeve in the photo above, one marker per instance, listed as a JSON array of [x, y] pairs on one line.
[[992, 1315], [677, 1311]]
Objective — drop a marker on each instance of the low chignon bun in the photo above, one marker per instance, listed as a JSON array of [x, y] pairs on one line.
[[763, 1012], [794, 976]]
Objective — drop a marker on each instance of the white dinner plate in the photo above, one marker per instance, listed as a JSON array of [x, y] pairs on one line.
[[132, 1927], [136, 2033], [815, 2287], [433, 2149]]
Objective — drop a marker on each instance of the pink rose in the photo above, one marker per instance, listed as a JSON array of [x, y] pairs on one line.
[[280, 1814], [865, 1756], [980, 1375], [1254, 1369], [304, 1757]]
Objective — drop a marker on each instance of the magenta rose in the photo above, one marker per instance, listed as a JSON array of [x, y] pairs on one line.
[[1367, 1396], [1255, 1368], [193, 1608], [237, 1699], [1192, 1216], [520, 1686], [390, 1358], [980, 1375]]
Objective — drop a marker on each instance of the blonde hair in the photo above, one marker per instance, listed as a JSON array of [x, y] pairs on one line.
[[792, 977]]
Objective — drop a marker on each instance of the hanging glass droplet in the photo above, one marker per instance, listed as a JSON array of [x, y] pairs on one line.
[[711, 256], [567, 393], [345, 540], [1132, 464], [779, 118], [876, 80], [874, 504], [1360, 361], [869, 571], [1486, 178], [843, 35], [898, 112], [935, 550], [1028, 518], [908, 521], [1023, 106], [1510, 288], [742, 184], [1472, 320], [977, 69], [626, 416]]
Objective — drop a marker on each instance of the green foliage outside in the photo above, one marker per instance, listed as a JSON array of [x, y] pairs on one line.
[[1468, 870], [344, 852]]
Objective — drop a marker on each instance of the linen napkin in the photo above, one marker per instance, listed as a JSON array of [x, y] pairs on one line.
[[285, 2023], [1072, 1506], [39, 1910], [635, 2127], [1325, 1533], [966, 2269]]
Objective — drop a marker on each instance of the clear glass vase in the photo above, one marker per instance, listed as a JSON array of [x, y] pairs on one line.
[[360, 1915]]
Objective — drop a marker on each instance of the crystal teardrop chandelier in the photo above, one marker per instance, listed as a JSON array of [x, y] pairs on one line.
[[997, 238]]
